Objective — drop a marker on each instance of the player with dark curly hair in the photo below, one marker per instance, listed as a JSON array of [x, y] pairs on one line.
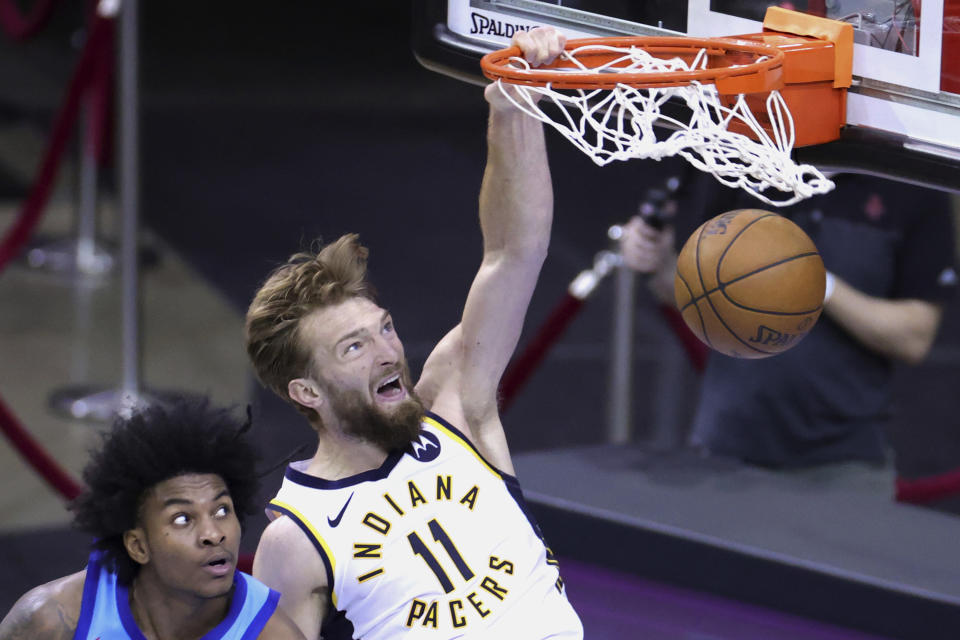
[[166, 491]]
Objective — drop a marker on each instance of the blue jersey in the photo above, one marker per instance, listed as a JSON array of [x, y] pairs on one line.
[[105, 612]]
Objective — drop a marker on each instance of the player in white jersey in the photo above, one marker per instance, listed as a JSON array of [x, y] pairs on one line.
[[435, 542], [407, 520]]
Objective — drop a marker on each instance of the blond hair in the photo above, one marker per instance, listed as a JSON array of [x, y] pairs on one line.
[[308, 281]]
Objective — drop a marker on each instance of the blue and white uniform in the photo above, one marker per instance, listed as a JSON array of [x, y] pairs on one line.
[[436, 543], [105, 611]]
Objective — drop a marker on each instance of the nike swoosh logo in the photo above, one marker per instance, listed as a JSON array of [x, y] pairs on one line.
[[336, 521]]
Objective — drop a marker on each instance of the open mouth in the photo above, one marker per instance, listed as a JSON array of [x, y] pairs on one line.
[[391, 388], [219, 567]]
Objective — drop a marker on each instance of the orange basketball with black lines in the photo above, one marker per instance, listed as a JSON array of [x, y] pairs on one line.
[[750, 283]]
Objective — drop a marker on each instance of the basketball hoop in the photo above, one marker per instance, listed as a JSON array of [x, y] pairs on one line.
[[733, 106]]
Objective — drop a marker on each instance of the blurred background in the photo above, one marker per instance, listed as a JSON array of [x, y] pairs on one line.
[[264, 127]]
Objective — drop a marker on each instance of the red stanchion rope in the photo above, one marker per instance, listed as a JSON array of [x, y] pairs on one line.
[[88, 73], [245, 563], [92, 74], [52, 473], [582, 287], [697, 352], [20, 27], [521, 368], [36, 456], [99, 102], [92, 77], [929, 488]]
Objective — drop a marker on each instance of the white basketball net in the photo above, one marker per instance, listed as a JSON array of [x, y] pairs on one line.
[[618, 124]]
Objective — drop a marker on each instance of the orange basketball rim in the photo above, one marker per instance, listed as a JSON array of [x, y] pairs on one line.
[[807, 59]]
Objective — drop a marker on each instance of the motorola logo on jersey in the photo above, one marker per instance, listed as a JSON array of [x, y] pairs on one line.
[[426, 448]]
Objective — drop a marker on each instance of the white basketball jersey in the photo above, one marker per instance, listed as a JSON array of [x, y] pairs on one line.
[[435, 543]]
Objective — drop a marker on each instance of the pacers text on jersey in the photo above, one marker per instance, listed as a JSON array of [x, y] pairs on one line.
[[468, 597]]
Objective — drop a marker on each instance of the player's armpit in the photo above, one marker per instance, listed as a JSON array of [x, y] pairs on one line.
[[47, 612], [286, 561], [441, 391], [281, 627], [441, 372]]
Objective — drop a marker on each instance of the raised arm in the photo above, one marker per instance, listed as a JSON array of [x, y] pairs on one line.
[[516, 210]]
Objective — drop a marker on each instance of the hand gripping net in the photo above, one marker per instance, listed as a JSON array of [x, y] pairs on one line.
[[618, 124]]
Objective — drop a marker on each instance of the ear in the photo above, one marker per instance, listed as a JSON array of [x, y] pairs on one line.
[[135, 542], [307, 392]]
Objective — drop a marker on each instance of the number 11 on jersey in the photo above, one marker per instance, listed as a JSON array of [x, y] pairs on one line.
[[439, 535]]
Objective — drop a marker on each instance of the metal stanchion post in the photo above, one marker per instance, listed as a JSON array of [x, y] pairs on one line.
[[658, 208], [81, 259], [104, 405], [81, 256], [670, 406], [91, 257], [620, 391], [129, 172]]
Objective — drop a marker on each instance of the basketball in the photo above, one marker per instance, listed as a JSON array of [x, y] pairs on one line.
[[750, 283]]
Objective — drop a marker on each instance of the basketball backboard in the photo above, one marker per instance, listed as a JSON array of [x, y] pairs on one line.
[[903, 109]]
